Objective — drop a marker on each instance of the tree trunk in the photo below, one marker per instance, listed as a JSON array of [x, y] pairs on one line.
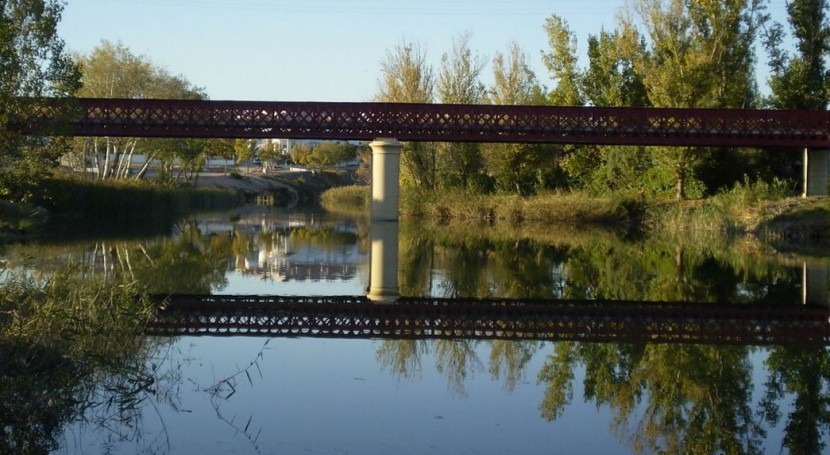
[[680, 190], [143, 170]]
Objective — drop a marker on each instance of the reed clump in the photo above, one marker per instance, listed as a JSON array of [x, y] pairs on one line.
[[71, 347], [739, 210], [563, 208], [125, 199], [455, 205], [65, 310], [350, 199]]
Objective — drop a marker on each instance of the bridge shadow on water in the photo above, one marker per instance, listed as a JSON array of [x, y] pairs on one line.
[[431, 318]]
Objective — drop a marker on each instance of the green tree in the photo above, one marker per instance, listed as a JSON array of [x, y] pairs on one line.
[[406, 77], [113, 71], [33, 65], [244, 150], [459, 83], [221, 148], [610, 80], [269, 152], [682, 398], [561, 62], [329, 153], [514, 167], [300, 153], [698, 55], [801, 373], [800, 81]]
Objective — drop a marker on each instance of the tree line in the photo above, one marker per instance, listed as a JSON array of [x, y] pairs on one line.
[[661, 53]]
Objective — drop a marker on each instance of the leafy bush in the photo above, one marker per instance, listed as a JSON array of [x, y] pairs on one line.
[[749, 192]]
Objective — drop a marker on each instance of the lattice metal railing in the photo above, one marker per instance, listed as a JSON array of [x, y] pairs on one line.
[[601, 321], [441, 122]]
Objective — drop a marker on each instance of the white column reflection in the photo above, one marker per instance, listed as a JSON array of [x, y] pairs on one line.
[[383, 272]]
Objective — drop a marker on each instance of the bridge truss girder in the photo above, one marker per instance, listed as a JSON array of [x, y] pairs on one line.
[[443, 123]]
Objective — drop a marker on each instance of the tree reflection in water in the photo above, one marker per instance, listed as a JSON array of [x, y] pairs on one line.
[[802, 374], [664, 398], [681, 398]]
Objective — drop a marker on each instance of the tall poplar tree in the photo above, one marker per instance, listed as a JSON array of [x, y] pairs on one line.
[[610, 80], [514, 167], [33, 65], [459, 82], [406, 77], [561, 62], [801, 81], [699, 54]]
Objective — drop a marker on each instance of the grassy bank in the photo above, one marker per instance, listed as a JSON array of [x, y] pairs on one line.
[[761, 209], [564, 208], [136, 202], [126, 199]]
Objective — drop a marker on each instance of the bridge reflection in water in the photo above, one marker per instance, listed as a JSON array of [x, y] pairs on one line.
[[383, 313], [589, 320]]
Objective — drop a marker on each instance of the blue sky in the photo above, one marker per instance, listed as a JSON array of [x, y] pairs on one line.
[[317, 50]]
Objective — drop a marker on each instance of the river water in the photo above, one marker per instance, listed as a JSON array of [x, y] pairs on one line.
[[285, 395]]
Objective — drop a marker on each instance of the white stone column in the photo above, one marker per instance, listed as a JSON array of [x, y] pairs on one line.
[[816, 171], [386, 169], [383, 272]]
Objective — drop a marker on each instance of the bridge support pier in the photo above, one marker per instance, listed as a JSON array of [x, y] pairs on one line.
[[383, 272], [816, 170], [814, 279], [386, 169]]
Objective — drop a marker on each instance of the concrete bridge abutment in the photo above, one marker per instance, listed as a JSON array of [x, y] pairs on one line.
[[816, 171]]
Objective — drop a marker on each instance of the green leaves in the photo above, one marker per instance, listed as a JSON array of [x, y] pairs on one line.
[[33, 65]]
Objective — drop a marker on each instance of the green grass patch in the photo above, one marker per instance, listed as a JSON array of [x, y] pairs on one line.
[[352, 199]]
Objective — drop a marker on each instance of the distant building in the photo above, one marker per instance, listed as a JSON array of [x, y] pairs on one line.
[[284, 145]]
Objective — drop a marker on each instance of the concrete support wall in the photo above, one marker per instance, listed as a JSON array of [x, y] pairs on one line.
[[386, 169], [816, 171], [383, 272]]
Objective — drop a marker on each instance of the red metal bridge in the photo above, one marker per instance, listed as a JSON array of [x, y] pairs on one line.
[[408, 318], [437, 122]]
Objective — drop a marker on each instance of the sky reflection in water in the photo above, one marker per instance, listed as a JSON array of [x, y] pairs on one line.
[[302, 395]]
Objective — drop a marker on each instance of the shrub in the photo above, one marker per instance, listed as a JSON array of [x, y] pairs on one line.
[[352, 198]]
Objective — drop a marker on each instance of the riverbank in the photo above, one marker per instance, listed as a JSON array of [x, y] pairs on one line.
[[741, 212], [285, 189], [64, 200]]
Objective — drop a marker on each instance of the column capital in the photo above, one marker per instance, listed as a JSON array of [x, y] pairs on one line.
[[385, 142]]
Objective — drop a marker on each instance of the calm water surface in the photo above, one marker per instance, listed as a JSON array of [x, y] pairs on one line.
[[264, 395]]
